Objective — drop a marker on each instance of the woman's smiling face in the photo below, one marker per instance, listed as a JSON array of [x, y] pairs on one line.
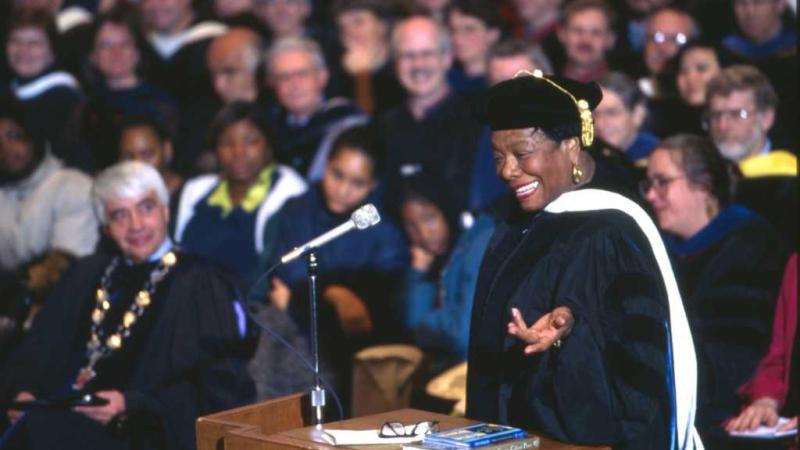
[[537, 168]]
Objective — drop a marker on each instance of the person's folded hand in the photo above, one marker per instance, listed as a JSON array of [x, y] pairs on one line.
[[763, 411]]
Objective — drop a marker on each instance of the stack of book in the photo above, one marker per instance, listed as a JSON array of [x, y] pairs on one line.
[[486, 436]]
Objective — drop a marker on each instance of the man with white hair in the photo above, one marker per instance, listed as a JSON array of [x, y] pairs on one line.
[[152, 332]]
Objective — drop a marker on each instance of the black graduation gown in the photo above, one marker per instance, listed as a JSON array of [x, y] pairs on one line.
[[188, 364], [443, 144], [606, 383], [729, 279]]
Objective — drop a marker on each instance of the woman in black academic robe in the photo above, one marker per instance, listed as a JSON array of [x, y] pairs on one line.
[[729, 262], [586, 268]]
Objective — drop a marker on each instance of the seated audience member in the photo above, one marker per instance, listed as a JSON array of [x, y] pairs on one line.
[[537, 23], [668, 29], [222, 217], [772, 392], [762, 33], [741, 112], [433, 132], [284, 18], [695, 65], [364, 70], [767, 38], [46, 217], [304, 121], [728, 260], [179, 38], [226, 9], [234, 63], [434, 8], [633, 27], [474, 28], [587, 34], [119, 89], [512, 55], [698, 63], [234, 59], [153, 331], [143, 139], [440, 283], [49, 96], [358, 272], [620, 115]]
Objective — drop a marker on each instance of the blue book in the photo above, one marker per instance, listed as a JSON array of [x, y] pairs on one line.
[[476, 435]]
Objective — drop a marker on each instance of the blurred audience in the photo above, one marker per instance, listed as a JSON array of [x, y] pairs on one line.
[[537, 21], [50, 97], [434, 132], [223, 217], [440, 283], [141, 138], [587, 33], [474, 28], [304, 121], [118, 88], [365, 64], [668, 30], [46, 217], [620, 115], [510, 56], [284, 18]]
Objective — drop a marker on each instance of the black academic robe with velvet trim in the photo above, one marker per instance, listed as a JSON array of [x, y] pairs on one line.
[[184, 358], [606, 384], [729, 275]]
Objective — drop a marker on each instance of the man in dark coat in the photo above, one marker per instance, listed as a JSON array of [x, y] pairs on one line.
[[155, 334]]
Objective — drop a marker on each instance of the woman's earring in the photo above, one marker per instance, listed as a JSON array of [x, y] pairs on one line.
[[577, 174]]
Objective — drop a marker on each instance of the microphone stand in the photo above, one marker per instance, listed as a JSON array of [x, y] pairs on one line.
[[317, 392]]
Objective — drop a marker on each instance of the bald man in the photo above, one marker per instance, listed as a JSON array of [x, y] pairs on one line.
[[233, 61]]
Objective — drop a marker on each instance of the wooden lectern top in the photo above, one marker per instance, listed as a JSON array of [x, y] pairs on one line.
[[282, 424]]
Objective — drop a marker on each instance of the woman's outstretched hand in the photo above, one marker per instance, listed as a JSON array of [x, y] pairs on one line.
[[546, 332]]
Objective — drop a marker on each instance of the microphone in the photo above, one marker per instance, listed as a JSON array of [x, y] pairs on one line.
[[362, 218]]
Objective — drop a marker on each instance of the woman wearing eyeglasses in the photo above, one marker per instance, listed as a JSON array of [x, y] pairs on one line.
[[729, 263]]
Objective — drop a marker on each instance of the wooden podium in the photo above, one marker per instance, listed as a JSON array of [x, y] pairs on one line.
[[284, 424]]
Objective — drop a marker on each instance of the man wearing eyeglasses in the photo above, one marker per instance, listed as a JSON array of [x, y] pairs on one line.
[[668, 29], [741, 112]]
